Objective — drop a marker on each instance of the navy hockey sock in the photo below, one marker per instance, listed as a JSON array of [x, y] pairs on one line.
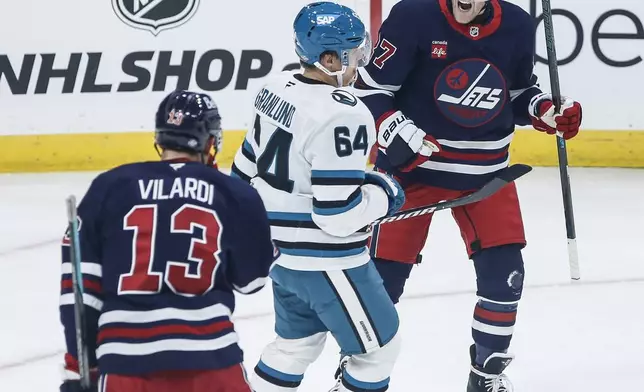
[[492, 328], [500, 284]]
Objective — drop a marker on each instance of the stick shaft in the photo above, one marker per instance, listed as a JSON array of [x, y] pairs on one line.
[[562, 152]]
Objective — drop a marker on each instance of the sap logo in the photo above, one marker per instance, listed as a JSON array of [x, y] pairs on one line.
[[475, 96], [325, 19]]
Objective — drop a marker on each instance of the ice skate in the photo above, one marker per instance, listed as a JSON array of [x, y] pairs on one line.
[[490, 377], [338, 374]]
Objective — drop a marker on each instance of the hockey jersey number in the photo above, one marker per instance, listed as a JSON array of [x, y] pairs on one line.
[[275, 159], [142, 220], [273, 164], [343, 145], [389, 50]]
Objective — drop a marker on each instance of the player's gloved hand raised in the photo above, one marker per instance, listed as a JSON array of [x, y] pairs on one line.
[[407, 146], [544, 119], [393, 189]]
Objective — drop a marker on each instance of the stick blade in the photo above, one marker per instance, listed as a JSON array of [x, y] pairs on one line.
[[503, 178], [514, 172]]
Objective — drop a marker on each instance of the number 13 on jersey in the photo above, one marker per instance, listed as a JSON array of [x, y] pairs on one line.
[[204, 250]]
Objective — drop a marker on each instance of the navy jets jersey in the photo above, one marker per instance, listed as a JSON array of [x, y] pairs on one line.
[[306, 155], [466, 85], [164, 244]]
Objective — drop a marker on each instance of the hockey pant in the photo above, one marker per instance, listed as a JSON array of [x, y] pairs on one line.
[[352, 305], [232, 379]]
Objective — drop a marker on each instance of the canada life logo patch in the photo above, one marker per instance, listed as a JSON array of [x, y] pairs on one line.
[[439, 50], [471, 92]]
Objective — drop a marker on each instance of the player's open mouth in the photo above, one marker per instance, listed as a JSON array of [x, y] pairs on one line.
[[464, 6]]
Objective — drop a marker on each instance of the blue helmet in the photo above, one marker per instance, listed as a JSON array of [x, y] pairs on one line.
[[326, 26], [186, 120]]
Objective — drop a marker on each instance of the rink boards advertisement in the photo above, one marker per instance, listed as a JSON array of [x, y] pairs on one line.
[[80, 81]]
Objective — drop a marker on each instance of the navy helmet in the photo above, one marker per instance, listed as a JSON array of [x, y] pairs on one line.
[[186, 121], [330, 27]]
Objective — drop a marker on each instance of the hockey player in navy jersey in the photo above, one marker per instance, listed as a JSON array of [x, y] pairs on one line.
[[448, 82], [164, 244], [306, 155]]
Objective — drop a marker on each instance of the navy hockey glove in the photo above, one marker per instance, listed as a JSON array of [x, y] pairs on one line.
[[71, 383], [406, 145], [74, 386], [393, 189]]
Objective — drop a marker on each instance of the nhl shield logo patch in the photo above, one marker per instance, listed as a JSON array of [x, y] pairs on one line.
[[155, 15]]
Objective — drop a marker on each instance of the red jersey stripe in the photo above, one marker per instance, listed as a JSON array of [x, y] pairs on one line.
[[146, 333], [87, 283]]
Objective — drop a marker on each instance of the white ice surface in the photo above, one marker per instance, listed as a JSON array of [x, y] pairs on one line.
[[586, 337]]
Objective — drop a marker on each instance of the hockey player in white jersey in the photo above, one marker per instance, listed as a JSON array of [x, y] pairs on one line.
[[306, 155]]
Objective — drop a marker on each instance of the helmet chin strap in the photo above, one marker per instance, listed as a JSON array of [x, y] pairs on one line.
[[338, 74]]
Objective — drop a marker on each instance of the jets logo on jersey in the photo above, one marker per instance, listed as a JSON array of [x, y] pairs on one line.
[[471, 92]]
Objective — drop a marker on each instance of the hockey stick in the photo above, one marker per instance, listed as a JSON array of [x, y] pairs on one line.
[[502, 179], [573, 257], [77, 280]]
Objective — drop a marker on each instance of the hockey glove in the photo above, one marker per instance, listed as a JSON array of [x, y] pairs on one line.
[[406, 145], [391, 187], [544, 118], [74, 386], [71, 382], [214, 146]]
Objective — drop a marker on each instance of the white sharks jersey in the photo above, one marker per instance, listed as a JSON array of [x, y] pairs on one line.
[[306, 155]]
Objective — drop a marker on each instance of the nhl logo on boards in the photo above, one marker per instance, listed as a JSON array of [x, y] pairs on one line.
[[155, 15], [439, 50], [475, 31]]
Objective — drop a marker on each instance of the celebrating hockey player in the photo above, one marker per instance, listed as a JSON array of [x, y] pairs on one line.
[[307, 155], [163, 246], [448, 82]]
